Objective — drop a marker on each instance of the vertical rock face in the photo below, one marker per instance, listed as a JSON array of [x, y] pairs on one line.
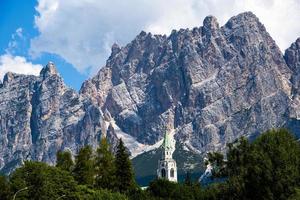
[[292, 57], [214, 83], [210, 85], [40, 115]]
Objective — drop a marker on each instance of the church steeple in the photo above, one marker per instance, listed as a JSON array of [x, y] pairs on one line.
[[167, 165]]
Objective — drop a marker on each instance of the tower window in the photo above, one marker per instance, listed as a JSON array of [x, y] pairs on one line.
[[163, 173], [172, 172]]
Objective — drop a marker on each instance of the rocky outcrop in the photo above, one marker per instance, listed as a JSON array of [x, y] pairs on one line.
[[210, 84], [292, 58], [40, 115]]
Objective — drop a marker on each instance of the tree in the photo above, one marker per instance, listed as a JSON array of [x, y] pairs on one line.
[[42, 182], [64, 160], [162, 188], [296, 195], [268, 168], [104, 166], [85, 193], [83, 171], [216, 160], [124, 172], [5, 193], [188, 179]]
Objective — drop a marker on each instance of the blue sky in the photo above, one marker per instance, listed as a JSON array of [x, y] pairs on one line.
[[77, 35], [16, 15]]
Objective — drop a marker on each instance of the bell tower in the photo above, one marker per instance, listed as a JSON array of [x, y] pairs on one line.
[[167, 165]]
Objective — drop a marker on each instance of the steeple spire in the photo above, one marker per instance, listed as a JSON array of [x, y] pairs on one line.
[[167, 165]]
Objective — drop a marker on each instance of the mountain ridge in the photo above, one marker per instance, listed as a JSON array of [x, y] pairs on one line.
[[209, 84]]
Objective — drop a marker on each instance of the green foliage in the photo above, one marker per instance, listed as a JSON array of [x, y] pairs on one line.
[[124, 172], [164, 189], [296, 195], [5, 192], [188, 179], [266, 169], [104, 166], [42, 182], [85, 193], [84, 171], [64, 160], [216, 160]]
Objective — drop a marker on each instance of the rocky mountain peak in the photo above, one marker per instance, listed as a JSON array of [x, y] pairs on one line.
[[49, 70], [8, 77], [211, 23], [292, 56], [115, 49], [209, 85], [246, 19]]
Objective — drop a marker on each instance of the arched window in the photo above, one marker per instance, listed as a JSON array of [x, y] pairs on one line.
[[172, 172], [163, 173]]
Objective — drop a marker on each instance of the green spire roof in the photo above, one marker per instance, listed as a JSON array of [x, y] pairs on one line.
[[167, 144]]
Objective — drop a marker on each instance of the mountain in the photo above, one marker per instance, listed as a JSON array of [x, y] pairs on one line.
[[40, 115], [209, 85]]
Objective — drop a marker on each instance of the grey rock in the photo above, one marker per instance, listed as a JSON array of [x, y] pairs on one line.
[[40, 115], [210, 85], [292, 58]]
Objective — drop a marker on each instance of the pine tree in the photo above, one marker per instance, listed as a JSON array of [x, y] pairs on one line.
[[64, 160], [84, 166], [41, 181], [188, 179], [268, 168], [5, 192], [124, 172], [104, 166]]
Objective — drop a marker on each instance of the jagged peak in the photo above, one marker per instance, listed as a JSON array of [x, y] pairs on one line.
[[246, 16], [242, 18], [297, 43], [49, 70], [294, 46], [210, 22], [115, 48], [142, 33], [8, 77]]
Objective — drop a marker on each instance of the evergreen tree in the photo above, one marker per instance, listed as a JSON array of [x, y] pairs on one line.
[[268, 168], [124, 172], [104, 166], [188, 179], [38, 181], [84, 166], [5, 192], [64, 160], [85, 193]]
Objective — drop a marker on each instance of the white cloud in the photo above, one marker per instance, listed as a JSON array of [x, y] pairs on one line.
[[19, 32], [17, 64], [14, 41], [81, 31]]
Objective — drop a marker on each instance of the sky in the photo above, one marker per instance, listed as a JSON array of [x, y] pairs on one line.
[[77, 35]]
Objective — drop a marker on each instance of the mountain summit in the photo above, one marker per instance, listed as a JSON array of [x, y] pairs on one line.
[[210, 85]]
